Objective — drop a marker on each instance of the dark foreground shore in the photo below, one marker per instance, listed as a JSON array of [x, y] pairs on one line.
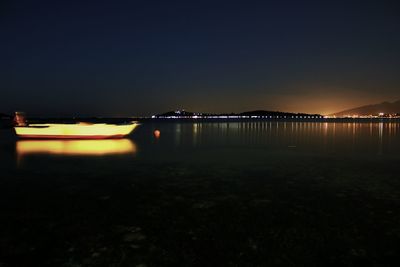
[[182, 215]]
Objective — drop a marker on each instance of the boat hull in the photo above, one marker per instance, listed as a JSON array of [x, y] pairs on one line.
[[90, 137], [74, 131]]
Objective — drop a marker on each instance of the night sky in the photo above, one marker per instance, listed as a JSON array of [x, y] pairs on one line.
[[125, 58]]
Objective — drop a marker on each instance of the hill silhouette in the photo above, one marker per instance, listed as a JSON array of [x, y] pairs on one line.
[[375, 109], [255, 113]]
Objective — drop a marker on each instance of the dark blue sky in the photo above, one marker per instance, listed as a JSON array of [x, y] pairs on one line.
[[119, 58]]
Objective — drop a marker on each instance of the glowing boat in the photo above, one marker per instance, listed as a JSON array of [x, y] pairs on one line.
[[74, 131]]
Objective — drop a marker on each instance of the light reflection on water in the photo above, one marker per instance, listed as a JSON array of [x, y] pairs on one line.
[[75, 147], [289, 129], [374, 137], [237, 141], [266, 180]]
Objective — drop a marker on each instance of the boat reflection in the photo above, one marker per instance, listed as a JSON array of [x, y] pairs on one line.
[[76, 147]]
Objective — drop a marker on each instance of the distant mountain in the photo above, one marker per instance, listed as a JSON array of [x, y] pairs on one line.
[[177, 113], [384, 107], [255, 113], [274, 113]]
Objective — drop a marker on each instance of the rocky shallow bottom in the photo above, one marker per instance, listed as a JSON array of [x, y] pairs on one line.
[[296, 212]]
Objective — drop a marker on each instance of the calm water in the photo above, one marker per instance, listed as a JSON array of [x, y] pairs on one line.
[[205, 194]]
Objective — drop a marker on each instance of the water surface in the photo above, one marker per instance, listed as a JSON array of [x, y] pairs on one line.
[[259, 193]]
